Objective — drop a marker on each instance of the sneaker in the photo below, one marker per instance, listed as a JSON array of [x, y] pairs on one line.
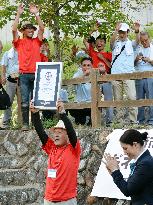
[[25, 128]]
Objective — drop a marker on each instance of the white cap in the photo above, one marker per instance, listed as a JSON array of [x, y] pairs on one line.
[[81, 54], [60, 124], [124, 27]]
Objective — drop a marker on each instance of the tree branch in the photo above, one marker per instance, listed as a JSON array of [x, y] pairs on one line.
[[62, 5]]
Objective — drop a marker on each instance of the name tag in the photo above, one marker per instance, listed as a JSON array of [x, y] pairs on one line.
[[52, 173]]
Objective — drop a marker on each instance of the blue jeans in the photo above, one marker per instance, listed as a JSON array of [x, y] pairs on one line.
[[108, 95], [26, 88], [150, 90], [144, 90]]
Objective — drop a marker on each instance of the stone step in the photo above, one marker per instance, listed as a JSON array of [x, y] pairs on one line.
[[15, 195], [17, 177], [11, 162]]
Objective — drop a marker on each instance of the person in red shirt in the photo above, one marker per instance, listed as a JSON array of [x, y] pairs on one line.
[[102, 62], [28, 49], [63, 150], [97, 53]]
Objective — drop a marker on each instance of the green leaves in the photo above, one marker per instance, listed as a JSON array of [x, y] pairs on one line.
[[68, 17]]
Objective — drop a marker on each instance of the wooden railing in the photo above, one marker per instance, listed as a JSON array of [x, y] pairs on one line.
[[95, 79]]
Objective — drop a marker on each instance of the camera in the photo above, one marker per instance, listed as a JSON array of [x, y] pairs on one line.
[[141, 54]]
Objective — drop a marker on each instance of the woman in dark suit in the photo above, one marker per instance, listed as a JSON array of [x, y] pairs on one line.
[[139, 185]]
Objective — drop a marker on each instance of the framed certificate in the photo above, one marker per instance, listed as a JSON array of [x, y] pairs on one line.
[[47, 84]]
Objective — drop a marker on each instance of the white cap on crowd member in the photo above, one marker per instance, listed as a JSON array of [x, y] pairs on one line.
[[124, 27], [81, 54]]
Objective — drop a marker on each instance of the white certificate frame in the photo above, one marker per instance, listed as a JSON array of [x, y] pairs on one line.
[[47, 84]]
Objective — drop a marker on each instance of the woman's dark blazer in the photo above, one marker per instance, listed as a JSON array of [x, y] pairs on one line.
[[139, 185]]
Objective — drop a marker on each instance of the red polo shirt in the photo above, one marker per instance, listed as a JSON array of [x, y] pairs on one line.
[[65, 161], [43, 58], [28, 54], [96, 60]]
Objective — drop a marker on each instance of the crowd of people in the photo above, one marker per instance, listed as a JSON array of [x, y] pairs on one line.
[[19, 66], [62, 147]]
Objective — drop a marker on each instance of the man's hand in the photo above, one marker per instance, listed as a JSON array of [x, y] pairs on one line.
[[20, 9], [118, 26], [60, 106], [74, 50], [33, 9], [94, 28], [32, 108], [136, 27], [139, 58], [146, 60]]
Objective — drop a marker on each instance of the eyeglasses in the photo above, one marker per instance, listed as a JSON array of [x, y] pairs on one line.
[[86, 65]]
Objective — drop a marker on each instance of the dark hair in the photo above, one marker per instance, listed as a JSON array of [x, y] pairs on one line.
[[91, 39], [102, 37], [44, 40], [86, 58], [132, 135]]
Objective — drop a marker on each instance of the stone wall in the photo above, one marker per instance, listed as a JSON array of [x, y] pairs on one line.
[[23, 166]]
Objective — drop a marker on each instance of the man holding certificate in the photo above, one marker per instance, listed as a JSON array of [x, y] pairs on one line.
[[63, 149]]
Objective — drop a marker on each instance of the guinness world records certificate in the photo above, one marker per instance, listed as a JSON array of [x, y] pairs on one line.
[[47, 84]]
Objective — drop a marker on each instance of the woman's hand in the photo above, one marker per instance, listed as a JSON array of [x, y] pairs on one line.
[[111, 163]]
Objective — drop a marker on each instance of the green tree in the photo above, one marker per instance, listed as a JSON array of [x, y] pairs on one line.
[[69, 17]]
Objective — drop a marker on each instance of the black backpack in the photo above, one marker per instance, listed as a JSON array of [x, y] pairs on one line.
[[4, 99]]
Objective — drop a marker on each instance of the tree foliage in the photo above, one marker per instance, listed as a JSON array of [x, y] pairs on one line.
[[68, 17]]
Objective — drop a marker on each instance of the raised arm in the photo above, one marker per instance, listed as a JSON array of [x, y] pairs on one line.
[[35, 10], [68, 125], [108, 63], [38, 124], [20, 10], [85, 40], [136, 28], [114, 36]]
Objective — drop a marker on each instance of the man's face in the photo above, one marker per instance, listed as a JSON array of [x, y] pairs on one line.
[[28, 32], [44, 48], [101, 68], [60, 137], [145, 41], [123, 35], [130, 150], [86, 67], [100, 44]]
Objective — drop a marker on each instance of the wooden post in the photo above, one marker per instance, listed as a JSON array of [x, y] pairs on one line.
[[95, 111]]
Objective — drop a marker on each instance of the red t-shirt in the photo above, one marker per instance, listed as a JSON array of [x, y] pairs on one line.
[[65, 160], [28, 54], [43, 58], [96, 60]]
